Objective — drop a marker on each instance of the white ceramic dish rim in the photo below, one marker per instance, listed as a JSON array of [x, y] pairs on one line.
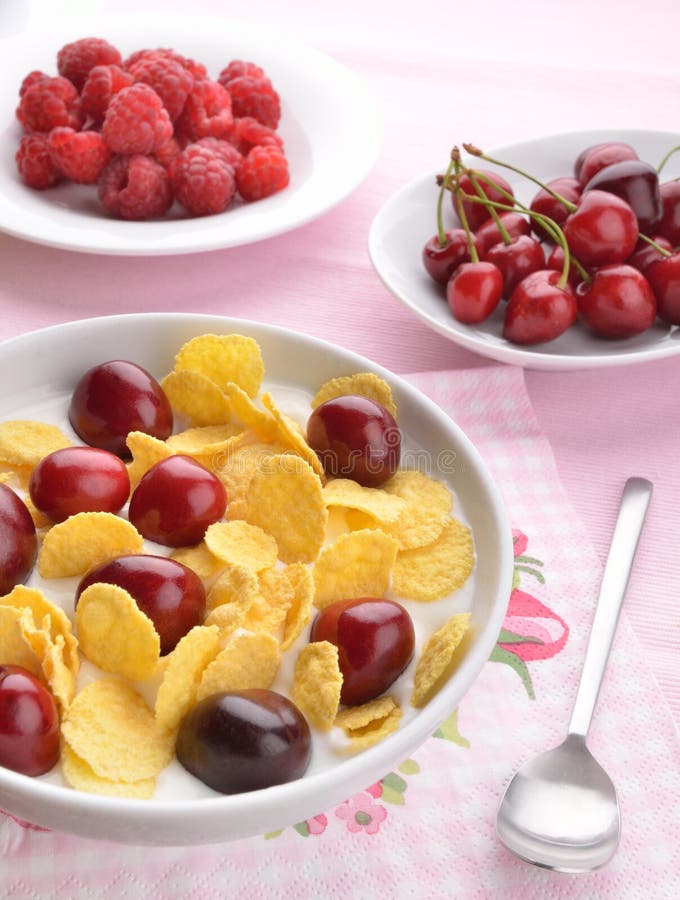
[[467, 336], [330, 98], [229, 817]]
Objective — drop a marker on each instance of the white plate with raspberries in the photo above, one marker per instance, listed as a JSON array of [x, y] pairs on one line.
[[226, 136], [408, 221]]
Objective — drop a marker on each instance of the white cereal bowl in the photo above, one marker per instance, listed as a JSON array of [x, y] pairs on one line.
[[42, 368]]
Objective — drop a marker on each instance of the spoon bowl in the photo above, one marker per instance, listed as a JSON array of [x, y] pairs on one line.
[[560, 810]]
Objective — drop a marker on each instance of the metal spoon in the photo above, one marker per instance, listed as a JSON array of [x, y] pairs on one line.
[[560, 810]]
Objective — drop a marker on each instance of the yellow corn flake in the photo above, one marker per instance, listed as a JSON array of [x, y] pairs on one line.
[[224, 358], [183, 670], [299, 610], [369, 723], [146, 451], [82, 777], [363, 384], [236, 468], [380, 506], [241, 544], [428, 506], [248, 661], [85, 540], [358, 564], [25, 443], [15, 647], [111, 728], [196, 399], [436, 570], [291, 436], [40, 520], [285, 499], [267, 613], [15, 476], [115, 634], [260, 422], [227, 618], [195, 440], [438, 657], [317, 683], [200, 559], [236, 586], [59, 676], [58, 624]]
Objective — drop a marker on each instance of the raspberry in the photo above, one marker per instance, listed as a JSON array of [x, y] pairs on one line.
[[135, 187], [255, 97], [263, 172], [136, 121], [100, 86], [35, 163], [204, 183], [168, 152], [75, 60], [207, 112], [238, 67], [171, 81], [198, 70], [80, 155], [247, 133], [49, 103], [223, 149], [32, 78]]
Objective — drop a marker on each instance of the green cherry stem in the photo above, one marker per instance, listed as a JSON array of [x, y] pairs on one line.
[[653, 243], [475, 151], [441, 232], [502, 230], [666, 158], [474, 256]]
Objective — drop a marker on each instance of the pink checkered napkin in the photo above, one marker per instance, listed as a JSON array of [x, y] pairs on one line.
[[427, 828]]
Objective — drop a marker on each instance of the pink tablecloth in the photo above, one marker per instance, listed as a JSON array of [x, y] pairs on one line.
[[439, 76]]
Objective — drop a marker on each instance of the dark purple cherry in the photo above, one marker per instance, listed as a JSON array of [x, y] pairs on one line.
[[637, 183]]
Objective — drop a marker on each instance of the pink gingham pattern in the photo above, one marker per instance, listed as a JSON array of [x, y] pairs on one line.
[[427, 830]]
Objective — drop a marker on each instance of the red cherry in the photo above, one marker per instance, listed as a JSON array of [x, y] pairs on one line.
[[477, 213], [522, 256], [539, 310], [489, 233], [555, 261], [618, 302], [664, 278], [669, 226], [603, 229], [115, 398], [637, 183], [375, 640], [29, 723], [166, 591], [357, 438], [545, 204], [440, 260], [594, 158], [175, 502], [18, 540], [645, 254], [474, 291], [79, 479]]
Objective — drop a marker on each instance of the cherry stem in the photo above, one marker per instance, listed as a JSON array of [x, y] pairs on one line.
[[441, 232], [475, 151], [474, 256], [653, 243], [666, 158], [503, 231]]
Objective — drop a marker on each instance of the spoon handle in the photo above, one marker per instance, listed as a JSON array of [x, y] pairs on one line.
[[634, 502]]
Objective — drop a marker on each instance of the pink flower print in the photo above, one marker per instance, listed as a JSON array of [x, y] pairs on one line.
[[519, 541], [362, 814], [317, 824], [529, 618], [375, 790], [23, 823]]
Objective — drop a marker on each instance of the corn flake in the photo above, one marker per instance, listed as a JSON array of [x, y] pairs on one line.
[[369, 723], [248, 661], [383, 508], [437, 658], [224, 358], [239, 543], [363, 384], [358, 564], [317, 683], [82, 777], [115, 634], [183, 670], [290, 435], [427, 508], [146, 451], [436, 570], [285, 499], [196, 398], [85, 540], [237, 586], [111, 728], [25, 443], [15, 646], [299, 610], [200, 559]]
